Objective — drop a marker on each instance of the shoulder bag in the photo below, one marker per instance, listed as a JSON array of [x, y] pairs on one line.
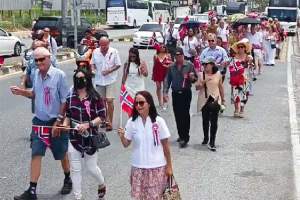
[[172, 190]]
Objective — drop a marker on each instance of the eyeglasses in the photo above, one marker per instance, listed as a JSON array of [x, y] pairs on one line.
[[140, 103], [211, 40], [241, 47], [39, 59]]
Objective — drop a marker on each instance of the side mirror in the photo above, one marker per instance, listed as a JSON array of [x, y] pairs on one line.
[[9, 34]]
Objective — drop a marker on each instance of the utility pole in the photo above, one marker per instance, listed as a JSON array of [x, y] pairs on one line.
[[64, 11], [75, 22]]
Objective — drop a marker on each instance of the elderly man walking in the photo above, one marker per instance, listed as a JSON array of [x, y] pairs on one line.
[[105, 62], [49, 93]]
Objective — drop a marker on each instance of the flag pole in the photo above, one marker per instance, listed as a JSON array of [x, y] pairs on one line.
[[121, 117]]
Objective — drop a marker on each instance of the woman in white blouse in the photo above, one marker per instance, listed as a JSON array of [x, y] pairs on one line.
[[151, 158], [190, 42]]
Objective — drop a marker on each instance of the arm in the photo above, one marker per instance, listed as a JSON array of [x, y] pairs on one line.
[[144, 69], [124, 76], [167, 82], [221, 89], [166, 149], [54, 46], [22, 92], [125, 141]]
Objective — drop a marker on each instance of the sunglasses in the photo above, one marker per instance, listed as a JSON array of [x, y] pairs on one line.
[[211, 40], [241, 47], [140, 103], [39, 59]]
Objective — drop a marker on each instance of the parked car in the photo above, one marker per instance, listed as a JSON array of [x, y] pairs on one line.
[[55, 25], [9, 45], [142, 37]]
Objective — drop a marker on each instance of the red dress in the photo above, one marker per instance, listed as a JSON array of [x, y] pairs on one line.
[[159, 71]]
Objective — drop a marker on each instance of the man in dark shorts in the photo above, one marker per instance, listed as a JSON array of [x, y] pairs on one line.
[[49, 93]]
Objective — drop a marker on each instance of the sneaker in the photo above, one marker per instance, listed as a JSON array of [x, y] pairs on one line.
[[67, 187], [183, 144], [212, 147], [26, 196], [101, 193]]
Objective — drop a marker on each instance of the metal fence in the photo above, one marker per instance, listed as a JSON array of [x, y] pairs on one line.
[[15, 4]]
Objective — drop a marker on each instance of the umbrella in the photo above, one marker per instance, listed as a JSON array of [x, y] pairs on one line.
[[235, 17], [247, 20], [191, 24]]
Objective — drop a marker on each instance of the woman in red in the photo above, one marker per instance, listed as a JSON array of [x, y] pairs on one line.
[[161, 63]]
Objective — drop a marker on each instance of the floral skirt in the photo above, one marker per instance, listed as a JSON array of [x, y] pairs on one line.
[[239, 94], [148, 184]]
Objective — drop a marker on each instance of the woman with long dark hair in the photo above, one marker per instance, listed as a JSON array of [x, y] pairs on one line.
[[210, 99], [151, 158], [134, 72], [161, 63], [85, 111]]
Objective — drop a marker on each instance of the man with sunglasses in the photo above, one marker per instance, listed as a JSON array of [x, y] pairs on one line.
[[49, 93], [180, 77], [217, 52]]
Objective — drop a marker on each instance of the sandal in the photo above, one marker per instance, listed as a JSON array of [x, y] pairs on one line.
[[101, 193], [236, 114], [241, 115]]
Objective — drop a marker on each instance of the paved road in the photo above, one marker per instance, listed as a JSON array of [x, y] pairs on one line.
[[253, 159]]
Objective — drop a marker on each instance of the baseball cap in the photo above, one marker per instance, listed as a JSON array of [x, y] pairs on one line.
[[179, 51]]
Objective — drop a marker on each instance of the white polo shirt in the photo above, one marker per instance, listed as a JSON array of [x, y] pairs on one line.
[[255, 39], [102, 63], [145, 154]]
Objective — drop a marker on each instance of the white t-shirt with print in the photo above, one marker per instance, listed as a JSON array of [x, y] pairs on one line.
[[223, 33], [189, 44], [102, 63], [145, 154]]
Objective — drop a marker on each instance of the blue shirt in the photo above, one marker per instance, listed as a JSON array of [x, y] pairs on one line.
[[50, 93], [218, 53]]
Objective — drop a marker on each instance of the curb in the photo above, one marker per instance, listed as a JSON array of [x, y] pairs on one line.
[[17, 67], [125, 39]]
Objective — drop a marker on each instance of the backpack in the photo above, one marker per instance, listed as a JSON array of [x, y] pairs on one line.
[[236, 71]]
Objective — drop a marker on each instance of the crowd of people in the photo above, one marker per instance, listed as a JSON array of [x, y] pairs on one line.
[[66, 120]]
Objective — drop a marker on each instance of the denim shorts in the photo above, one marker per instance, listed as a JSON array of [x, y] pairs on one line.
[[59, 145]]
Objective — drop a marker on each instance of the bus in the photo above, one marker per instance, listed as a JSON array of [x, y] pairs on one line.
[[134, 13], [287, 16]]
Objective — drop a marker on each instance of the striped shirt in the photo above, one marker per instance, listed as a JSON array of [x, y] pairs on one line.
[[83, 111]]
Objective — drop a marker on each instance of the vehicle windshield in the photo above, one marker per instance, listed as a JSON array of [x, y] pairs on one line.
[[283, 15], [202, 17], [46, 23], [151, 27], [137, 4], [115, 3]]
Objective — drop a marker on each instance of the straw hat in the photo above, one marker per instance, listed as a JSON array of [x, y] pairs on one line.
[[244, 42]]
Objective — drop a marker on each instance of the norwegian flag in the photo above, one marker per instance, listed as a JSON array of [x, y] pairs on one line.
[[153, 42], [126, 101], [43, 133], [183, 32]]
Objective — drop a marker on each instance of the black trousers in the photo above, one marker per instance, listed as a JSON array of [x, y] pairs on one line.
[[181, 108], [210, 123]]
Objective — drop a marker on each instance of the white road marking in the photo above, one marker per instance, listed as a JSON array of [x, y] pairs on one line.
[[293, 121]]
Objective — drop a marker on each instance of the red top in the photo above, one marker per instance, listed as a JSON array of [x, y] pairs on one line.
[[159, 71]]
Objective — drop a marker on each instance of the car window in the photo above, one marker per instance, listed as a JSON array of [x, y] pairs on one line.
[[46, 23], [151, 27], [2, 33], [85, 23]]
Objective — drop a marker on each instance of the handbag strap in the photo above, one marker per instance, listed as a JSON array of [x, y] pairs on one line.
[[205, 86]]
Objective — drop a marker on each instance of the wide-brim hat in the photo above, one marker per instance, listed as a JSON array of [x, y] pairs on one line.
[[244, 42]]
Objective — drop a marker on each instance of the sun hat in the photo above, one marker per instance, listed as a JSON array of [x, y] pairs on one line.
[[244, 42]]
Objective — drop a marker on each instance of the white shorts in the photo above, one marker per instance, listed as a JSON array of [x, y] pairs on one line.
[[107, 91]]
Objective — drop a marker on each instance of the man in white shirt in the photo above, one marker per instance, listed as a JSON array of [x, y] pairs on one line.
[[52, 45], [105, 62], [223, 33], [171, 36], [256, 39]]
